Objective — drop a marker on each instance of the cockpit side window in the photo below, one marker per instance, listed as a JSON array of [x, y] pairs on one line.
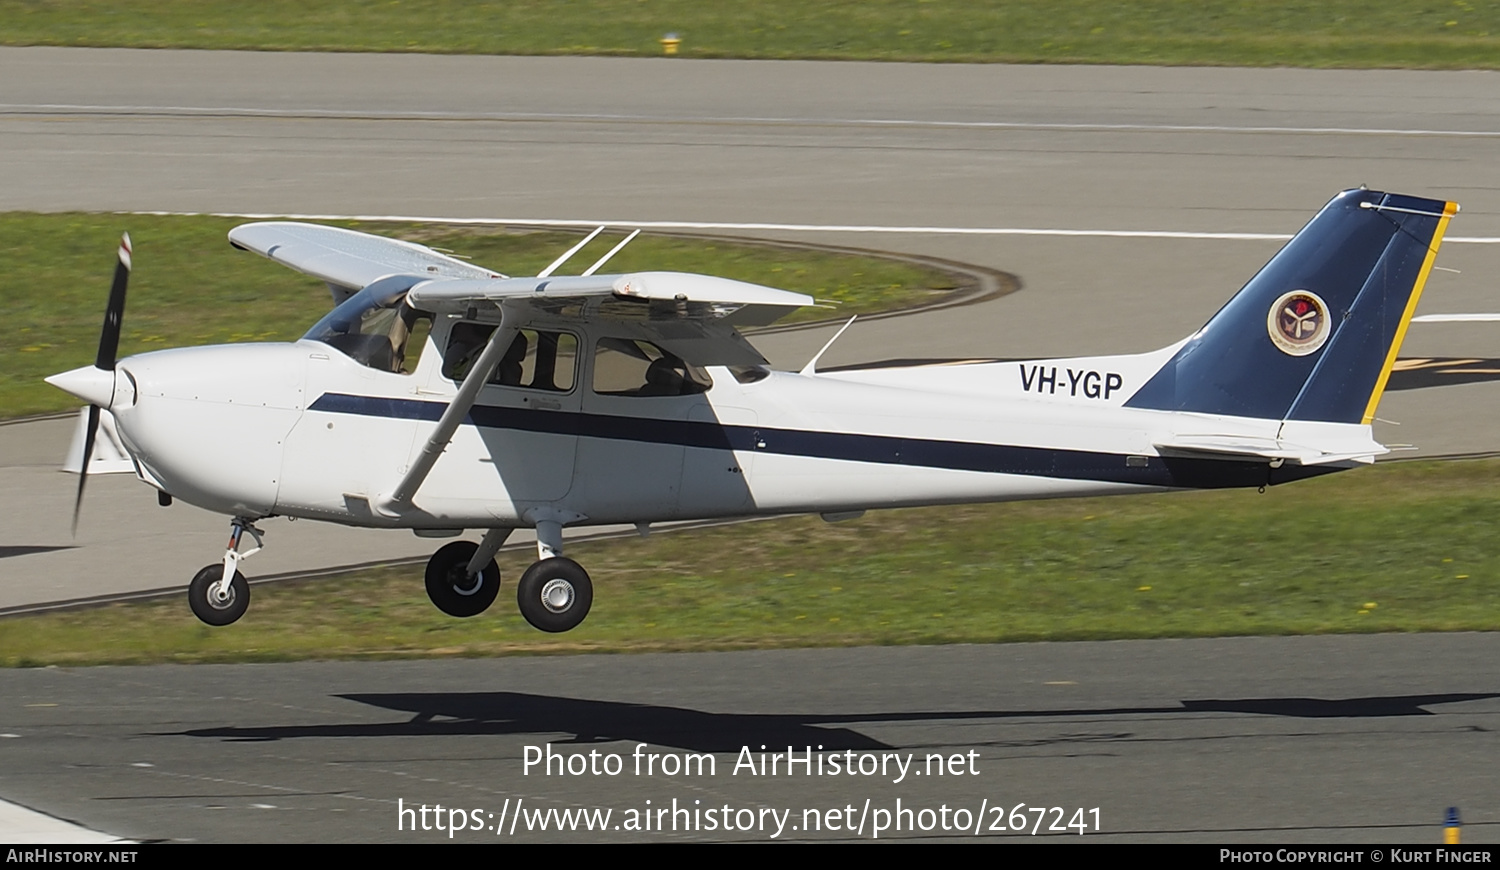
[[375, 329], [535, 360], [630, 367]]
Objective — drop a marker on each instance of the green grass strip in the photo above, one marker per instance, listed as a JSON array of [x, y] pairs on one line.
[[1397, 547], [1446, 34], [190, 287]]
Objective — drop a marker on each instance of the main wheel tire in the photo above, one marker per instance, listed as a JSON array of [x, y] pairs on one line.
[[555, 594], [218, 611], [451, 588]]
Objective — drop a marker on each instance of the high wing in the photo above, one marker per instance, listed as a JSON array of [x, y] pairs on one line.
[[347, 260], [696, 312], [667, 295], [692, 316]]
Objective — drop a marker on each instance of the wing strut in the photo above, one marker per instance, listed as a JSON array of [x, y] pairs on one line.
[[568, 254], [457, 410], [612, 251]]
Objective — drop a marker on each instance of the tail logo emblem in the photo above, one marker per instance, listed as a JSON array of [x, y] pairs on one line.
[[1298, 322]]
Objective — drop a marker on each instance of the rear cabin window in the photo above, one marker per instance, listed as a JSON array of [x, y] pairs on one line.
[[535, 360], [629, 367]]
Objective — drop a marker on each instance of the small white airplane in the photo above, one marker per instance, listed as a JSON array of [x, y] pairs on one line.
[[439, 396]]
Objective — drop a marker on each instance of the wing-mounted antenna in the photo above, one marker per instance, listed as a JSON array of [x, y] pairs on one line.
[[812, 365], [568, 254]]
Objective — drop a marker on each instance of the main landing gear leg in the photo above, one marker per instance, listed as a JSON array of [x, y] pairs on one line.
[[555, 593], [462, 577], [219, 594]]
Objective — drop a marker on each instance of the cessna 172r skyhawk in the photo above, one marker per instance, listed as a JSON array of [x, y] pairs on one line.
[[439, 396]]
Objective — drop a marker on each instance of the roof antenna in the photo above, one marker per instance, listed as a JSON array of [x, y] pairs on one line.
[[812, 365]]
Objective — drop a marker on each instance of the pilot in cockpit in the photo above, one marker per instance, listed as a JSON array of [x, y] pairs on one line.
[[665, 377], [508, 374]]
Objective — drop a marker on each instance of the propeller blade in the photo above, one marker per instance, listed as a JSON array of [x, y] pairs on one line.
[[83, 470], [114, 313], [109, 345]]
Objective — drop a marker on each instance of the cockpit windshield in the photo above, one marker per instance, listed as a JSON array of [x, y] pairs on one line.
[[374, 328]]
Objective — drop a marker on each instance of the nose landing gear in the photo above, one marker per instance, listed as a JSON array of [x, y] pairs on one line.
[[216, 602], [219, 594]]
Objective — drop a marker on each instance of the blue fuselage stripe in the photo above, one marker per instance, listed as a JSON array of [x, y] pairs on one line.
[[880, 449]]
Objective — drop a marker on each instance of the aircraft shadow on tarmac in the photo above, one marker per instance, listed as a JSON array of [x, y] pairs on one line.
[[480, 713]]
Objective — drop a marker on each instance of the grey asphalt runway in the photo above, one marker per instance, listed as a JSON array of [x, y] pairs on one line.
[[1356, 739], [807, 144]]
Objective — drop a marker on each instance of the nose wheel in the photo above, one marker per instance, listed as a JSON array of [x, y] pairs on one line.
[[219, 594], [217, 603]]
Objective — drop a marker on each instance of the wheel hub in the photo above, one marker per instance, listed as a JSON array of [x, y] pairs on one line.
[[221, 595], [466, 584], [557, 595]]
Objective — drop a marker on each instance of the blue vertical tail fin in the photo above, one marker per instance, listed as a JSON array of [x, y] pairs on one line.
[[1314, 334]]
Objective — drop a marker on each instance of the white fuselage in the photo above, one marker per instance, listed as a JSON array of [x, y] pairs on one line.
[[300, 429]]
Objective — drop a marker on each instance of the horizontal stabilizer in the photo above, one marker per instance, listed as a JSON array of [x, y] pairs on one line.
[[1241, 447], [1226, 447], [1294, 441]]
